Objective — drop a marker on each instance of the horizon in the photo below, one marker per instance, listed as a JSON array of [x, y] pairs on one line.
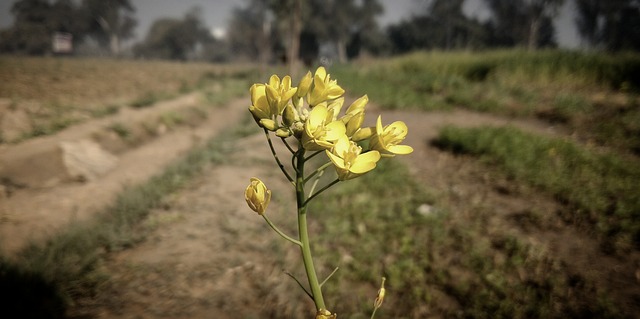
[[215, 15]]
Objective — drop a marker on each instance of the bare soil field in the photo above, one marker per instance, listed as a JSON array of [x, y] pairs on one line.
[[208, 255]]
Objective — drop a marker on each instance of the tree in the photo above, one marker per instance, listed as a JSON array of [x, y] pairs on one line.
[[175, 39], [441, 24], [520, 22], [249, 31], [35, 22], [612, 24], [110, 21]]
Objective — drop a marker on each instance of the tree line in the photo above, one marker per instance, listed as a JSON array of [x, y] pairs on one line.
[[287, 30]]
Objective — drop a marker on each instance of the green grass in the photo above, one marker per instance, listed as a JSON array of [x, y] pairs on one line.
[[435, 262], [578, 90], [68, 264], [601, 189]]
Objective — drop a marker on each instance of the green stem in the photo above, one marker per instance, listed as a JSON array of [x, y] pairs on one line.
[[320, 169], [335, 181], [283, 235], [284, 140], [331, 274], [316, 290]]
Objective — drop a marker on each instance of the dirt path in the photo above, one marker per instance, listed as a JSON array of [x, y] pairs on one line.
[[35, 213]]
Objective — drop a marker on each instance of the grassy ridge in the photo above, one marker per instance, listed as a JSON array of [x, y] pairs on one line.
[[436, 262], [602, 188], [595, 95]]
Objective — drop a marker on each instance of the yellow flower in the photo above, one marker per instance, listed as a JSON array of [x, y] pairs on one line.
[[323, 88], [349, 162], [386, 139], [257, 196], [279, 93], [320, 131]]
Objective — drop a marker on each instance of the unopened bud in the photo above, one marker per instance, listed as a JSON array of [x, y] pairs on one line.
[[363, 134], [269, 124], [325, 314], [283, 132], [380, 298], [305, 84], [290, 115]]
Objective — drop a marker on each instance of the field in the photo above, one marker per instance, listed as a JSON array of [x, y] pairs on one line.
[[520, 199]]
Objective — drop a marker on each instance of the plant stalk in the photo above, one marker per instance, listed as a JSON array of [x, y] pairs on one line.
[[316, 290]]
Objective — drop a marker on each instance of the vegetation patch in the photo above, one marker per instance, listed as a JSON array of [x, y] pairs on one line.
[[577, 90], [435, 262], [600, 189]]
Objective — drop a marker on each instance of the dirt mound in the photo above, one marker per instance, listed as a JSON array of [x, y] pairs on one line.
[[86, 172]]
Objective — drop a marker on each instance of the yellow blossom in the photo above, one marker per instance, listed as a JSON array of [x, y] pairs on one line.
[[349, 162], [323, 88], [279, 93], [257, 196], [386, 139], [319, 131]]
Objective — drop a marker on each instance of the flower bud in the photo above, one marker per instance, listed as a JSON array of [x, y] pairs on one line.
[[257, 196], [363, 134], [358, 105], [354, 122], [269, 124], [325, 314], [283, 132], [290, 115], [380, 297], [305, 84]]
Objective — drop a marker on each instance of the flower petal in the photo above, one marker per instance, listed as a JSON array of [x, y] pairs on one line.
[[400, 149], [337, 161], [335, 130]]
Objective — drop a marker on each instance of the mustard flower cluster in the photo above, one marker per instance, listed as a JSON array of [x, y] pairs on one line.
[[311, 112]]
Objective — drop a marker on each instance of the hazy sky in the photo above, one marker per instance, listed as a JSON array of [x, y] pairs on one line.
[[216, 13]]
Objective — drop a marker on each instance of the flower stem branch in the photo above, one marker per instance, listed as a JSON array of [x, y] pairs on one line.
[[299, 284], [315, 183], [283, 235], [275, 155], [319, 170], [331, 274], [312, 155], [284, 140], [321, 190]]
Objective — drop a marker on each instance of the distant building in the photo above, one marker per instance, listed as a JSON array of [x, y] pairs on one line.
[[62, 43]]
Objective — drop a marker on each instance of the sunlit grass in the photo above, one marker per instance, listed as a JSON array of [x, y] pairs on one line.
[[578, 90], [436, 262], [602, 189]]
